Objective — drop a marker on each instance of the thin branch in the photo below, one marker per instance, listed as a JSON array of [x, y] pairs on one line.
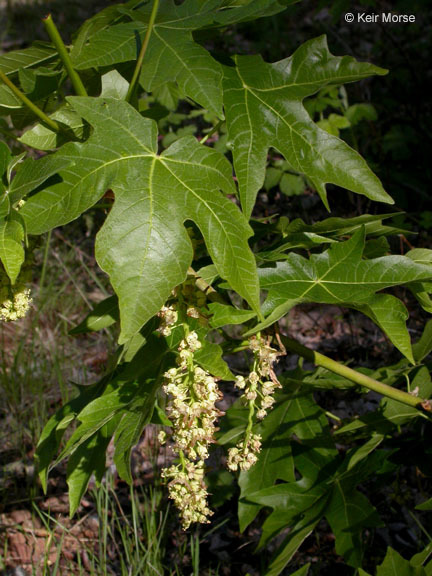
[[212, 294]]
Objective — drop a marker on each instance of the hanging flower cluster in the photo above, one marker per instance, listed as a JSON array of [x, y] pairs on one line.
[[263, 380], [192, 394], [258, 390], [14, 299], [14, 303], [188, 491]]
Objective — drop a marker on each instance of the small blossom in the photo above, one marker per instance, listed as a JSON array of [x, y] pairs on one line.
[[193, 312], [267, 402], [267, 388], [193, 341], [168, 316], [240, 382], [245, 454], [250, 394], [184, 358]]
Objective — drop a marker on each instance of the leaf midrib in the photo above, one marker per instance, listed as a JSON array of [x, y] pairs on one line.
[[282, 118], [326, 80], [83, 178]]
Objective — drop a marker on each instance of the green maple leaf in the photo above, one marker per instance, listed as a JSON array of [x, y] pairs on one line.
[[323, 491], [264, 108], [340, 276], [172, 53], [16, 60], [12, 236], [143, 245]]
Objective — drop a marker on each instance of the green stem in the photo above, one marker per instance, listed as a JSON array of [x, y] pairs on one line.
[[211, 132], [182, 460], [250, 424], [37, 111], [56, 39], [135, 77], [357, 377]]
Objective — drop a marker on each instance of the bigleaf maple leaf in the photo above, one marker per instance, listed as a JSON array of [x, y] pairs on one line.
[[264, 108], [143, 245], [341, 276]]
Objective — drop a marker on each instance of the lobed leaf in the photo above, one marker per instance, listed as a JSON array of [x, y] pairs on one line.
[[209, 357], [32, 174], [98, 413], [300, 530], [55, 428], [5, 156], [129, 431], [223, 314], [340, 276], [42, 138], [423, 347], [88, 459], [264, 108], [348, 513], [172, 54], [143, 245], [395, 565]]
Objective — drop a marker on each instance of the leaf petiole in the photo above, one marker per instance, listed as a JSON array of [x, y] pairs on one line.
[[361, 379], [212, 131], [30, 105], [137, 71], [56, 39]]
